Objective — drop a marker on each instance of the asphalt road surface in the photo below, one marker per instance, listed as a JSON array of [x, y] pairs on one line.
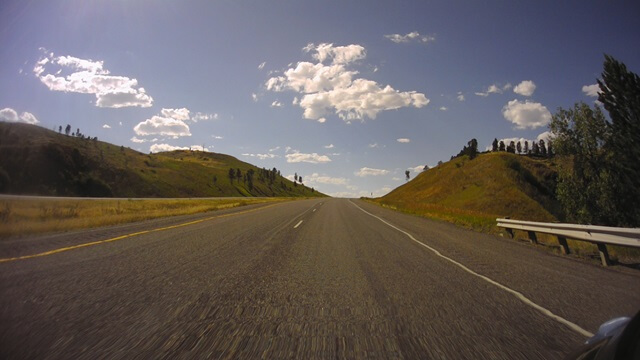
[[327, 278]]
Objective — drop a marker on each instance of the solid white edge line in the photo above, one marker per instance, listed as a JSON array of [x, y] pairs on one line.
[[298, 224], [519, 295]]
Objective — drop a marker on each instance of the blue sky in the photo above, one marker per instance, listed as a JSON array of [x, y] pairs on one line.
[[348, 94]]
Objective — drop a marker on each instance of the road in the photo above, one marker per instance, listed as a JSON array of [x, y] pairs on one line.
[[325, 278]]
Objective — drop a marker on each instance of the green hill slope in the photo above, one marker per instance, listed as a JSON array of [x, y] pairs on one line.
[[38, 161], [475, 192]]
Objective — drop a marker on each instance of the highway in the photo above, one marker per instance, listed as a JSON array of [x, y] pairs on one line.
[[321, 278]]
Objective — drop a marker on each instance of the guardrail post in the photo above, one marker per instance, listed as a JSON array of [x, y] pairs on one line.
[[533, 237], [564, 246], [510, 232], [604, 254]]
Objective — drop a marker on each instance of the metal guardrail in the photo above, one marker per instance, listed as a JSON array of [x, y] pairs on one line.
[[599, 235]]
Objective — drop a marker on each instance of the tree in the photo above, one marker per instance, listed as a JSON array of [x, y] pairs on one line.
[[620, 96], [439, 162], [67, 129], [472, 149], [584, 181], [549, 150], [300, 179], [519, 147], [60, 129], [501, 146], [232, 174], [215, 179], [78, 132], [526, 147], [407, 174], [535, 149], [295, 177], [494, 145], [543, 148], [512, 147], [425, 168], [238, 174]]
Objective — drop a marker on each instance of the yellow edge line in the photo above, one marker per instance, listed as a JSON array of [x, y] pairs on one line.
[[55, 251]]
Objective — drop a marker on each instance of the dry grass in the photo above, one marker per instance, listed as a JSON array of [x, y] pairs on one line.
[[33, 216]]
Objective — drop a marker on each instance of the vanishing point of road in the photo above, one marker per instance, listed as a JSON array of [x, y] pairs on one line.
[[323, 278]]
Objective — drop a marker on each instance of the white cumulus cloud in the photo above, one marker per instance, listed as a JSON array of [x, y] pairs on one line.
[[460, 96], [525, 88], [87, 76], [165, 126], [333, 88], [178, 114], [323, 179], [330, 146], [262, 64], [403, 140], [276, 104], [165, 147], [313, 158], [106, 126], [526, 114], [365, 171], [412, 36], [591, 90], [10, 115]]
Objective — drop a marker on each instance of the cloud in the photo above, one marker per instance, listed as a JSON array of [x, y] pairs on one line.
[[171, 122], [262, 64], [412, 36], [416, 169], [526, 114], [10, 115], [525, 88], [254, 97], [330, 146], [217, 137], [178, 114], [165, 147], [106, 126], [313, 158], [365, 171], [332, 88], [403, 140], [198, 148], [339, 54], [203, 117], [546, 136], [262, 156], [87, 76], [276, 104], [375, 145], [591, 90], [460, 96], [164, 126], [443, 108], [274, 149], [323, 179], [494, 89]]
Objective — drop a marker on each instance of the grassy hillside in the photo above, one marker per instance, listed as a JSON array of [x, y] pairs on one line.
[[38, 161], [475, 192]]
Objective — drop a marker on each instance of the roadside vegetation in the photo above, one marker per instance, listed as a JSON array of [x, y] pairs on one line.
[[34, 216]]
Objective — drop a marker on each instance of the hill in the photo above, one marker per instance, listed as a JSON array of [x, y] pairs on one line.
[[475, 192], [38, 161]]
